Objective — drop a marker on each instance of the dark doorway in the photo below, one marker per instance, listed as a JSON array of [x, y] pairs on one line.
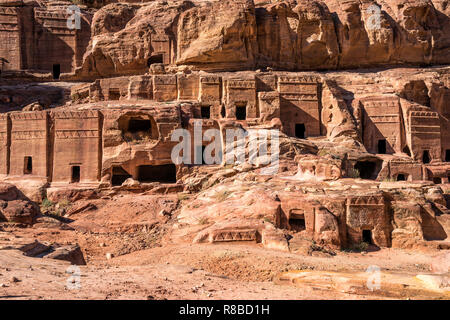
[[139, 125], [166, 173], [56, 71], [75, 174], [426, 157], [119, 175], [401, 177], [203, 155], [407, 151], [367, 236], [366, 169], [28, 165], [241, 113], [158, 58], [114, 94], [297, 223], [447, 155], [223, 112], [300, 130], [437, 180], [382, 146], [206, 112]]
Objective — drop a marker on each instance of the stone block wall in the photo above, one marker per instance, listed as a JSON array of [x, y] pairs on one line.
[[382, 122], [77, 146], [5, 126], [299, 105], [29, 143], [37, 38]]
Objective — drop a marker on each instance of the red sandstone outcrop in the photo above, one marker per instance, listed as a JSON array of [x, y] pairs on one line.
[[292, 35], [15, 207]]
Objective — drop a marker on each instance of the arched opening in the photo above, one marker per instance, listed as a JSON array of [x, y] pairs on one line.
[[157, 58], [139, 125], [138, 128], [300, 130], [426, 157], [401, 177]]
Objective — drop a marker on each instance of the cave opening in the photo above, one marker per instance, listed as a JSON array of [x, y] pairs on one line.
[[118, 176], [166, 173], [139, 125], [401, 177], [437, 180], [137, 128], [367, 169], [157, 58]]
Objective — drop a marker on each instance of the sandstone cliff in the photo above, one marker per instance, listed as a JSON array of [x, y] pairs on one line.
[[293, 35]]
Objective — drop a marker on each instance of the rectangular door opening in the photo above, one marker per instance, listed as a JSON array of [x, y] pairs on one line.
[[241, 112], [382, 146], [114, 94], [206, 112], [300, 130], [56, 71], [75, 177], [367, 236], [297, 222], [28, 165]]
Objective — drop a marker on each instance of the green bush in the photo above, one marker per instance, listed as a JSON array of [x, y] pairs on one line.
[[46, 203]]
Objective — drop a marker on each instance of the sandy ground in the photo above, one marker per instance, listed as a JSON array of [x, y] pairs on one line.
[[206, 271], [147, 263]]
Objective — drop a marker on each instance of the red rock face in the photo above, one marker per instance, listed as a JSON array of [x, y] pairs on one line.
[[353, 145], [292, 35], [15, 207]]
